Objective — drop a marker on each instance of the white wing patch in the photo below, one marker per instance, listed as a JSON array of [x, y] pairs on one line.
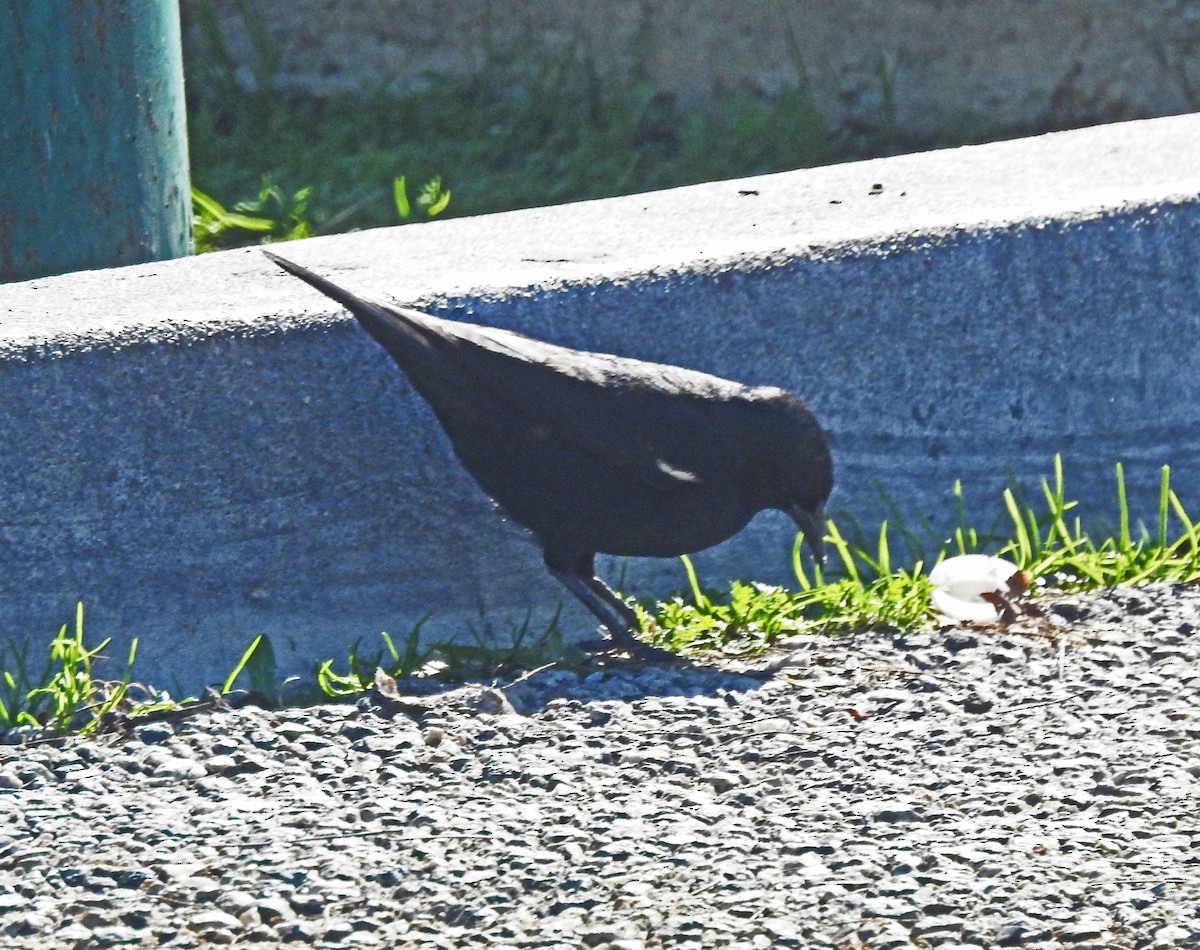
[[678, 474]]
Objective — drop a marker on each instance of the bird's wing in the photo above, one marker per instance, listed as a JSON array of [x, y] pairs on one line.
[[663, 425]]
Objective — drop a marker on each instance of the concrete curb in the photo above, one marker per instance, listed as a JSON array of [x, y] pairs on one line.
[[204, 449]]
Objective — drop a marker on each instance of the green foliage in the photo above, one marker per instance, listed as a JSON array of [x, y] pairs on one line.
[[432, 200], [525, 130], [866, 590], [258, 663], [867, 593], [1059, 550], [360, 668], [272, 216], [529, 127], [527, 648], [754, 616], [65, 696]]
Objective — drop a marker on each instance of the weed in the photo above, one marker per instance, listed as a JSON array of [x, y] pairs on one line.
[[529, 127], [449, 660], [258, 663], [1058, 549], [867, 593], [360, 668], [273, 216], [66, 696], [432, 199], [528, 647]]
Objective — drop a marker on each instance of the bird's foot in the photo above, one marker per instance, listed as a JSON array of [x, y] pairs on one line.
[[626, 648], [652, 654]]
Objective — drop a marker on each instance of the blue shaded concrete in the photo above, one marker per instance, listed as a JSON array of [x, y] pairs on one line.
[[205, 449]]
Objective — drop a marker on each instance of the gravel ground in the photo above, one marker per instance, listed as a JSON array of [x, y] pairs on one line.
[[1033, 787]]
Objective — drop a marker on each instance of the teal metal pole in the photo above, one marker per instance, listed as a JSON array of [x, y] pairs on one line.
[[93, 136]]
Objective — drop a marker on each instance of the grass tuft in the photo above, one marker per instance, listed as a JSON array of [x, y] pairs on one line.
[[866, 590], [1058, 550], [360, 668], [65, 696]]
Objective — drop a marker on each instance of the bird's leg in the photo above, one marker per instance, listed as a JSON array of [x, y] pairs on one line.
[[617, 625], [618, 618]]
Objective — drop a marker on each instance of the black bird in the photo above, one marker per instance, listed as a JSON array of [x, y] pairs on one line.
[[602, 454]]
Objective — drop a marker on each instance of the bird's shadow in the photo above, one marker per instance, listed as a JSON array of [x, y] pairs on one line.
[[601, 679]]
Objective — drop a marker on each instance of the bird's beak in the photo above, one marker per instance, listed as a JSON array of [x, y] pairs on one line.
[[812, 526]]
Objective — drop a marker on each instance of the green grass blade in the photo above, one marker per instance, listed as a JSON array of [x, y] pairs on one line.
[[966, 539], [883, 565], [241, 664], [698, 596], [439, 204], [1022, 548], [1124, 542], [400, 196], [843, 549], [798, 565], [1164, 492]]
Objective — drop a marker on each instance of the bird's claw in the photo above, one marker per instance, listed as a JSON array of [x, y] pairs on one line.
[[614, 650]]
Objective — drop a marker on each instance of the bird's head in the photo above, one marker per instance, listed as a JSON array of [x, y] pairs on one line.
[[794, 469], [808, 493]]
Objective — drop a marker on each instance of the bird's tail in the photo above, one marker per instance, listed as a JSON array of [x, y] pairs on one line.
[[351, 302], [395, 328]]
